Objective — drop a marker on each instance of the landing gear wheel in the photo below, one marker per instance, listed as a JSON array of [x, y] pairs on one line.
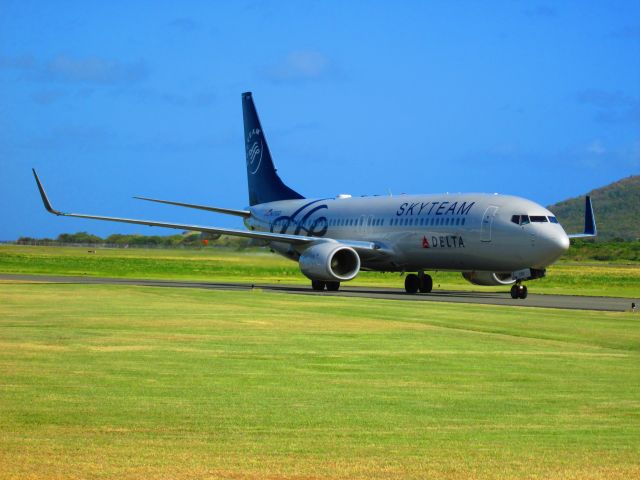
[[426, 283], [333, 286], [318, 285], [411, 283], [519, 291]]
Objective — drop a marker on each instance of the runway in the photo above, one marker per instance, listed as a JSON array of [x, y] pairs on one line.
[[572, 302]]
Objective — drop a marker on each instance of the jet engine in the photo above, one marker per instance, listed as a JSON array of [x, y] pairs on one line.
[[209, 236], [330, 262], [488, 278]]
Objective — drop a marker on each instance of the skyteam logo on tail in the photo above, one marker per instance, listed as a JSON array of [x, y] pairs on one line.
[[254, 148]]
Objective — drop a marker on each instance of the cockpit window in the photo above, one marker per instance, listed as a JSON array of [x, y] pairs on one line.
[[538, 218], [553, 219], [520, 219]]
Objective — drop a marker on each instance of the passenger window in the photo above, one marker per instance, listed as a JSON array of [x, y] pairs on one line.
[[463, 220]]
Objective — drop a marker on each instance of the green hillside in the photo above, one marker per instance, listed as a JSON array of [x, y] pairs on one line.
[[616, 207]]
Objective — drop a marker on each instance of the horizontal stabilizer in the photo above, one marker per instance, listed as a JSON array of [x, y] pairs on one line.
[[226, 211], [590, 229]]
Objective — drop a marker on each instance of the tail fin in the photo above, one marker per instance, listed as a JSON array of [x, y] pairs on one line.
[[264, 183]]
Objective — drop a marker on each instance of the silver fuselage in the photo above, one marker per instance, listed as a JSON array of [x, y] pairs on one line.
[[461, 232]]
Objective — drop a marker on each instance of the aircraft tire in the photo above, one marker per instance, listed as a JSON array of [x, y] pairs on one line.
[[318, 285], [426, 284], [411, 283], [333, 286], [519, 291]]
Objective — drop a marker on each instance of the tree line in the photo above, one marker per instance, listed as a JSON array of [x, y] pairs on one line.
[[186, 239]]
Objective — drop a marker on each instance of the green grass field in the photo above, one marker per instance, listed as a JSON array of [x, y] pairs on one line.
[[621, 280], [139, 382]]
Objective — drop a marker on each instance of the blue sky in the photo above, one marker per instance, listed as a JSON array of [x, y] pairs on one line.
[[113, 99]]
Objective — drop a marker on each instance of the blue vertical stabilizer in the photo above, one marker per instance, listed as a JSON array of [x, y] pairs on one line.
[[264, 183]]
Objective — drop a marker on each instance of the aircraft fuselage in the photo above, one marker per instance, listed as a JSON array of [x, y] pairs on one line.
[[424, 232]]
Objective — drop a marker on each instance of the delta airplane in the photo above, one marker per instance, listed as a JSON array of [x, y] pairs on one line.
[[491, 239]]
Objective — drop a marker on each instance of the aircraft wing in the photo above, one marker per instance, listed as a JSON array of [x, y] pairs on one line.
[[268, 236]]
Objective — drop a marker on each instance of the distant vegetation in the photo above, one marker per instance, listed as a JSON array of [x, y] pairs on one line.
[[616, 207], [608, 251], [185, 240]]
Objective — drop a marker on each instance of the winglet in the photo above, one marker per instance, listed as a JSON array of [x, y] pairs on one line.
[[590, 228], [589, 219], [45, 199]]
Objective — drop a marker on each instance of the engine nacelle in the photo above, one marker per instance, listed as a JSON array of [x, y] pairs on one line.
[[330, 262], [488, 278], [209, 236]]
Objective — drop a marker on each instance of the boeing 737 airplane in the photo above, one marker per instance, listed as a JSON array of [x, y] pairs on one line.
[[491, 239]]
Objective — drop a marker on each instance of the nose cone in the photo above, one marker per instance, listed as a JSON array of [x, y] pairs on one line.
[[553, 246], [563, 242]]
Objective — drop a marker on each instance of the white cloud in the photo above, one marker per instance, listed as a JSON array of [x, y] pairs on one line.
[[596, 148], [184, 24], [301, 65], [67, 69]]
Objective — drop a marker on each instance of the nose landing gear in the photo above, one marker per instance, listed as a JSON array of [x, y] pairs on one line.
[[519, 291]]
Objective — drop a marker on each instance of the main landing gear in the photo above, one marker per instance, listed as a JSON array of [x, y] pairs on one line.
[[319, 286], [519, 291], [420, 282]]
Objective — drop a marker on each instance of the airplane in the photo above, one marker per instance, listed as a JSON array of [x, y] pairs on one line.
[[492, 239]]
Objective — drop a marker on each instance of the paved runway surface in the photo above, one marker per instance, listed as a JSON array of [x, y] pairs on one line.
[[490, 298]]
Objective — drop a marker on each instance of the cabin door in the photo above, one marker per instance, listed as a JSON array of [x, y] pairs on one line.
[[487, 223]]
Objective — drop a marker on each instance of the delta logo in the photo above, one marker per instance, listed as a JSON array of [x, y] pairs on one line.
[[443, 241]]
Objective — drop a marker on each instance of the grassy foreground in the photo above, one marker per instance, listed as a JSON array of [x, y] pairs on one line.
[[600, 279], [140, 382]]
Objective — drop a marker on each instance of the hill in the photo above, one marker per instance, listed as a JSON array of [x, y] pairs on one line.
[[616, 207]]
